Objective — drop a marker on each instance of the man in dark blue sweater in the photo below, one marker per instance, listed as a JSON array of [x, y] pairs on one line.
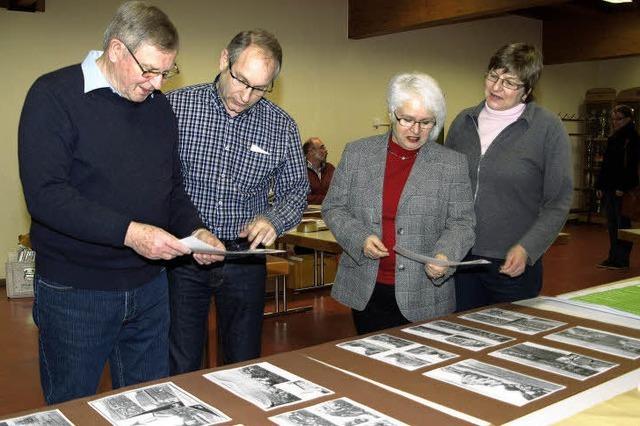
[[102, 182]]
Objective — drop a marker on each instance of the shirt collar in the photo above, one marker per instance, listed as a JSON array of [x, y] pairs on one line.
[[93, 77]]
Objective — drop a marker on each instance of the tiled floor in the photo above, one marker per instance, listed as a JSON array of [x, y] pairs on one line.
[[566, 268]]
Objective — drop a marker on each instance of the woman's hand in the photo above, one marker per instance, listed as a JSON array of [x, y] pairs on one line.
[[515, 261], [434, 271], [373, 248]]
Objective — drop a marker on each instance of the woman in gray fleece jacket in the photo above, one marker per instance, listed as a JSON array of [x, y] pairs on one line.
[[521, 176]]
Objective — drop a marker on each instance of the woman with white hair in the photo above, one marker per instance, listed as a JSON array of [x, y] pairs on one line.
[[400, 189]]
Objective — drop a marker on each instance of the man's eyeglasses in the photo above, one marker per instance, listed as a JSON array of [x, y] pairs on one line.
[[245, 85], [149, 74], [407, 123], [507, 83]]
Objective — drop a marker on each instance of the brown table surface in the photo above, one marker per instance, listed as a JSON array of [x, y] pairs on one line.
[[629, 235]]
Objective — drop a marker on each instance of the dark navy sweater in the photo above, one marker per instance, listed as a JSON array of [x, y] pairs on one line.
[[90, 163]]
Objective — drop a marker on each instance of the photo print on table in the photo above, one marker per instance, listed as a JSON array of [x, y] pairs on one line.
[[160, 404], [267, 386], [396, 351], [494, 382], [337, 412], [565, 363], [462, 336], [48, 418], [598, 340], [510, 320]]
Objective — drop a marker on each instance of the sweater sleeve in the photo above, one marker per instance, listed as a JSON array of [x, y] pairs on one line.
[[46, 139], [557, 193]]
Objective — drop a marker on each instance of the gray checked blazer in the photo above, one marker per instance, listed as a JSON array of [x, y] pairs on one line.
[[435, 215]]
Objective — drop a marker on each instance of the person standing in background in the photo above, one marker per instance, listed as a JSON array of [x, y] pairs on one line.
[[520, 169], [101, 179], [235, 146], [619, 174], [319, 171]]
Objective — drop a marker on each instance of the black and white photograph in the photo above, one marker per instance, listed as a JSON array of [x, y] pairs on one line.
[[470, 338], [44, 418], [160, 404], [598, 340], [494, 382], [267, 386], [402, 353], [510, 320], [565, 363], [337, 412]]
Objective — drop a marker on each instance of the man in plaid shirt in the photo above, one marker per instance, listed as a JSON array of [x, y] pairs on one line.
[[235, 148]]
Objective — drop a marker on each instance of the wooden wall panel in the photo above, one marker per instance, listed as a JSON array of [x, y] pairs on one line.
[[368, 18]]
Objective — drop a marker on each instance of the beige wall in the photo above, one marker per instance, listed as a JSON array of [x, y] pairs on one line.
[[334, 87]]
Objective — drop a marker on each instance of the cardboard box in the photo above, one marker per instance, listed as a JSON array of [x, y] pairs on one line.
[[301, 270], [19, 278]]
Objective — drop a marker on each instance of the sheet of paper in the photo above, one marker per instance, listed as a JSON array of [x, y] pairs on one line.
[[199, 246], [625, 299], [432, 260]]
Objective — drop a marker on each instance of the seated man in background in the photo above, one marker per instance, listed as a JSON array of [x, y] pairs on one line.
[[320, 172]]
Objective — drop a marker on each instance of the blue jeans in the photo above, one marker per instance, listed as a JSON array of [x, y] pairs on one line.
[[484, 285], [80, 329], [238, 285]]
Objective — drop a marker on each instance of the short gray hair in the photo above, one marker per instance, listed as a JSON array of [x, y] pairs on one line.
[[260, 38], [406, 86], [137, 22]]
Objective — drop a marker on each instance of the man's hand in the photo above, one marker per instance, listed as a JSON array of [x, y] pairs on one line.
[[373, 248], [515, 262], [435, 271], [207, 237], [153, 242], [259, 231]]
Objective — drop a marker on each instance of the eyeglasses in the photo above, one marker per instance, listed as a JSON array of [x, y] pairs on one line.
[[149, 74], [408, 123], [245, 85], [507, 83]]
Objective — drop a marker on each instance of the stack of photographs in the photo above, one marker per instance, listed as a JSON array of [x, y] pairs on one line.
[[267, 386], [510, 320], [161, 404], [397, 351], [47, 418], [495, 382], [337, 412], [470, 338]]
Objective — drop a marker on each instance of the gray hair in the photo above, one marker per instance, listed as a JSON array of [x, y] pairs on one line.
[[260, 38], [137, 22], [523, 60], [406, 86]]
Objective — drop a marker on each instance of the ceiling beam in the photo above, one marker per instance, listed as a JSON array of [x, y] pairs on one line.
[[585, 37], [23, 5], [368, 18]]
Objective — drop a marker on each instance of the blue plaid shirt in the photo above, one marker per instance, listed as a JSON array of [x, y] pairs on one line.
[[230, 164]]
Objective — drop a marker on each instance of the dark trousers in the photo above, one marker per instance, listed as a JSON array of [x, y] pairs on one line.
[[238, 285], [484, 285], [619, 250], [381, 311], [80, 329]]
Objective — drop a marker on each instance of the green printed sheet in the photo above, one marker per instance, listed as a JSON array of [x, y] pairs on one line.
[[625, 299]]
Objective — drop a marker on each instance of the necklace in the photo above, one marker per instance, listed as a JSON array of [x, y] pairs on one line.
[[402, 157]]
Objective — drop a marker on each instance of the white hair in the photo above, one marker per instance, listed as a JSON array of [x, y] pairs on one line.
[[406, 86]]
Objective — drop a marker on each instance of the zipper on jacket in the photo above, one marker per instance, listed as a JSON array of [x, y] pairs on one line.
[[475, 193]]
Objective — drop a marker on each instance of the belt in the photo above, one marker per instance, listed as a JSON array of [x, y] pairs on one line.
[[236, 245]]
